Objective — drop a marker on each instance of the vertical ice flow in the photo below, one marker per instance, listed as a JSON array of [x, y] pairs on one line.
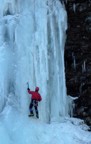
[[32, 38]]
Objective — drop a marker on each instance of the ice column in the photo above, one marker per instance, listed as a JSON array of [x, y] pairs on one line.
[[56, 26], [40, 39]]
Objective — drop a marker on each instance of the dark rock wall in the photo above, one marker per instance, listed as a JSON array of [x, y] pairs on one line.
[[78, 56]]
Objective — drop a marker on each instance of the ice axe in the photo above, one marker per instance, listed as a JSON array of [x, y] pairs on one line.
[[27, 84]]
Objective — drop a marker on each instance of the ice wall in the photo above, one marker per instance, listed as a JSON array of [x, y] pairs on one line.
[[32, 38]]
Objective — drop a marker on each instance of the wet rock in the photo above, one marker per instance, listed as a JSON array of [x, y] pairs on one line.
[[78, 56]]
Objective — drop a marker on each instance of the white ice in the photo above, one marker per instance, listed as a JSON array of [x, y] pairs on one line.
[[32, 38], [19, 129]]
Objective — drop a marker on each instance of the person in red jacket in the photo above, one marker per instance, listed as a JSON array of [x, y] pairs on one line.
[[35, 98]]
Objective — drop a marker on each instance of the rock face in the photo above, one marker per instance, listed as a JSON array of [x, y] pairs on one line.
[[78, 56]]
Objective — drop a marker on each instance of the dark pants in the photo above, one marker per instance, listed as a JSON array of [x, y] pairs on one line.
[[34, 104]]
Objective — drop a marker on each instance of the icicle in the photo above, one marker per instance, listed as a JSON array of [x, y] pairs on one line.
[[74, 61], [74, 7], [84, 67]]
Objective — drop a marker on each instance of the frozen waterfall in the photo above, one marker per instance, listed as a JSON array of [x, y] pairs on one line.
[[32, 38]]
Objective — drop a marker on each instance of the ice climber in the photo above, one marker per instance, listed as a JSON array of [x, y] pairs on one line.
[[35, 98]]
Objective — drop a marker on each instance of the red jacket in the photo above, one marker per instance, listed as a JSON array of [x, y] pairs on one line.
[[35, 95]]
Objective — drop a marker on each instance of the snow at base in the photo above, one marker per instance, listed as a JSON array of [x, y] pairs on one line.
[[18, 129]]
